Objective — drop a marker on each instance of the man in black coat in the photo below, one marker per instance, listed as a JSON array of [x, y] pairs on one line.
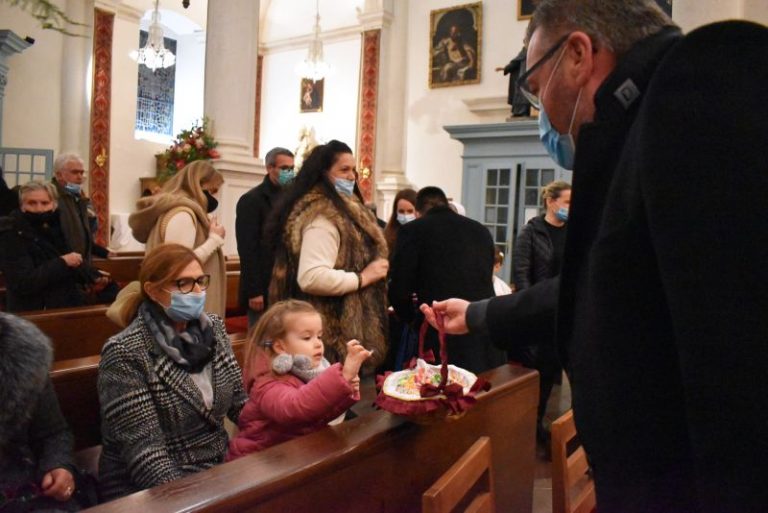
[[661, 320], [253, 210], [441, 255]]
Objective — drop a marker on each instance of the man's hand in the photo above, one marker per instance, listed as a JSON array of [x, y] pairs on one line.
[[454, 315], [256, 303], [58, 484], [72, 259]]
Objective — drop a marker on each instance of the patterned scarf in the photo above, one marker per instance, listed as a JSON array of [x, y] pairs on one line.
[[192, 348]]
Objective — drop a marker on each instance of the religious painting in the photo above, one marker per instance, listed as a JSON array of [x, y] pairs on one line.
[[455, 44], [311, 99], [525, 9], [666, 6]]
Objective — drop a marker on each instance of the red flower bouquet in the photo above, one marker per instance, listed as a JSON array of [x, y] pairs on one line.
[[196, 143]]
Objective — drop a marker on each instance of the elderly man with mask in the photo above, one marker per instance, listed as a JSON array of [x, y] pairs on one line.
[[661, 305]]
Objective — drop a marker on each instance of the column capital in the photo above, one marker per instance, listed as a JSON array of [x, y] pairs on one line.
[[375, 14]]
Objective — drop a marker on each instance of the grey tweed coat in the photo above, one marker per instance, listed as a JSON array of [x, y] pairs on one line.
[[155, 426]]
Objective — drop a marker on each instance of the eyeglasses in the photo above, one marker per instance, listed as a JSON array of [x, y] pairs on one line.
[[187, 285], [522, 81]]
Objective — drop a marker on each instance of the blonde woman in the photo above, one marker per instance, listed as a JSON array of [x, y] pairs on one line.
[[180, 214]]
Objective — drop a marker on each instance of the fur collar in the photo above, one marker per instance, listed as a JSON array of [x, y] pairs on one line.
[[25, 357], [150, 209]]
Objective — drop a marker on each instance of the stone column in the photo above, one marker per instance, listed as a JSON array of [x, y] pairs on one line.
[[75, 82], [10, 43], [231, 60], [389, 18]]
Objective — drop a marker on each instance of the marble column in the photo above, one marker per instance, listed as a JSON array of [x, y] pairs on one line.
[[10, 43], [231, 60], [390, 19]]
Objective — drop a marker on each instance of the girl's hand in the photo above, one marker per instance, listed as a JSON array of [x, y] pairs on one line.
[[356, 355], [58, 484]]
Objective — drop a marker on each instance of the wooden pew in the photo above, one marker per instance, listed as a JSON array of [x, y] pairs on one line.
[[75, 332], [123, 269], [75, 384], [376, 462]]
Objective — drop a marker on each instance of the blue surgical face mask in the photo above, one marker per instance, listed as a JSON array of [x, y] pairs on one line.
[[186, 307], [74, 188], [286, 176], [344, 187], [561, 147], [405, 218], [562, 214]]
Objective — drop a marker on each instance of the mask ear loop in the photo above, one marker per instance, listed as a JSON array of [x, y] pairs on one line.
[[551, 75], [575, 108]]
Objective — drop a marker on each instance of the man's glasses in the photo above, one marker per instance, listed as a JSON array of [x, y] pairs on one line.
[[187, 285], [522, 81]]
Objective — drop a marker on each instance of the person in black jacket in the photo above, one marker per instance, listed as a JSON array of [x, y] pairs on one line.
[[441, 255], [661, 304], [538, 255], [9, 200], [36, 466], [253, 211], [40, 270]]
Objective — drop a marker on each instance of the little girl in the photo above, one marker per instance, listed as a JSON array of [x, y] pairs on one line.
[[292, 388]]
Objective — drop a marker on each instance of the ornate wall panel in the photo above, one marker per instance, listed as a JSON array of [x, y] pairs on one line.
[[366, 143]]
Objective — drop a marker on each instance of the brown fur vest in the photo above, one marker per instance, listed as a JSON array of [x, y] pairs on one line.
[[360, 315]]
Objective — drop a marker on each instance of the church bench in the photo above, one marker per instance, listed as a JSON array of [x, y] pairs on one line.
[[123, 269], [376, 462], [75, 332]]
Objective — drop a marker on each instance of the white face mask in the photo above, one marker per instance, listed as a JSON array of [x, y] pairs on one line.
[[405, 218]]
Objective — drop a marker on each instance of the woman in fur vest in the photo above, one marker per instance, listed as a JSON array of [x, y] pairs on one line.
[[36, 468], [331, 253], [179, 214]]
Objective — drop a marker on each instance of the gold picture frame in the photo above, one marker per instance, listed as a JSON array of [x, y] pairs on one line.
[[311, 95], [525, 9], [455, 37]]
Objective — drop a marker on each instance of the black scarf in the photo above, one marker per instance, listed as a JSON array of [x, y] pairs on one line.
[[192, 349]]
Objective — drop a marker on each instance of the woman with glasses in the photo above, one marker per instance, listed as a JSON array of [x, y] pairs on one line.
[[167, 381]]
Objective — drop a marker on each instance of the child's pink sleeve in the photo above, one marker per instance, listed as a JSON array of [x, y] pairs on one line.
[[324, 398]]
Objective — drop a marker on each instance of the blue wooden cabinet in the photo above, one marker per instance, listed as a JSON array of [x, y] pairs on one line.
[[504, 167]]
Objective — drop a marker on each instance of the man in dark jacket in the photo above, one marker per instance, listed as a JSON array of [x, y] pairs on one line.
[[253, 210], [440, 255], [40, 270], [74, 205], [661, 320]]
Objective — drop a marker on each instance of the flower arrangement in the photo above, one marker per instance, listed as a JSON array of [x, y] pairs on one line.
[[191, 144]]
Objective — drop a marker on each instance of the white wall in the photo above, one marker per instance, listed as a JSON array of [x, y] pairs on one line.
[[281, 119], [190, 81], [433, 158], [292, 18], [32, 104]]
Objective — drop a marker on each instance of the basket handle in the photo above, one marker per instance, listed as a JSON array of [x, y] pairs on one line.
[[440, 321]]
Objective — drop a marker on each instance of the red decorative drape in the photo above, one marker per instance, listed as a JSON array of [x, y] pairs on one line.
[[366, 144], [100, 120]]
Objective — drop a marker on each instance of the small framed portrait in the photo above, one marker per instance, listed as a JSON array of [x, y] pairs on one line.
[[455, 43], [311, 99], [525, 9]]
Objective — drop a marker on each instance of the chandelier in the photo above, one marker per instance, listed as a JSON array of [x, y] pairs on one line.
[[314, 67], [154, 55]]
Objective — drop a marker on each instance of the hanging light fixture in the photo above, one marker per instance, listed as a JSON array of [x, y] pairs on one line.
[[154, 55], [314, 67]]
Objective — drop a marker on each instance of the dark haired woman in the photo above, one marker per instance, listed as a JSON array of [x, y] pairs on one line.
[[403, 212], [330, 252], [167, 381]]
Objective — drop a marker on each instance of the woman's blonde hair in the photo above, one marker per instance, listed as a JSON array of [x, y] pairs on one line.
[[161, 266], [271, 326], [188, 182], [553, 190]]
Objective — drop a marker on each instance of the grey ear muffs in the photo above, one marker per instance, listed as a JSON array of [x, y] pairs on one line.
[[282, 363]]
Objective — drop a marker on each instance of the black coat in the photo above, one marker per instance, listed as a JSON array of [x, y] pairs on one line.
[[256, 259], [439, 256], [662, 309], [533, 255], [36, 277]]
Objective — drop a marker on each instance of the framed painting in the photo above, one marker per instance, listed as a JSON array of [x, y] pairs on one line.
[[455, 37], [311, 99], [525, 9], [666, 6]]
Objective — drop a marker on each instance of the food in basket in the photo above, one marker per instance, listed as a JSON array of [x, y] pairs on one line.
[[406, 385]]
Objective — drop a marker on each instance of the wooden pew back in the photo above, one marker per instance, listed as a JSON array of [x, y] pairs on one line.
[[376, 462], [123, 269], [75, 332], [573, 489]]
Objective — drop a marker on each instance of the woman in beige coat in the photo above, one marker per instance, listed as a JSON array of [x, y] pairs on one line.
[[179, 213]]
